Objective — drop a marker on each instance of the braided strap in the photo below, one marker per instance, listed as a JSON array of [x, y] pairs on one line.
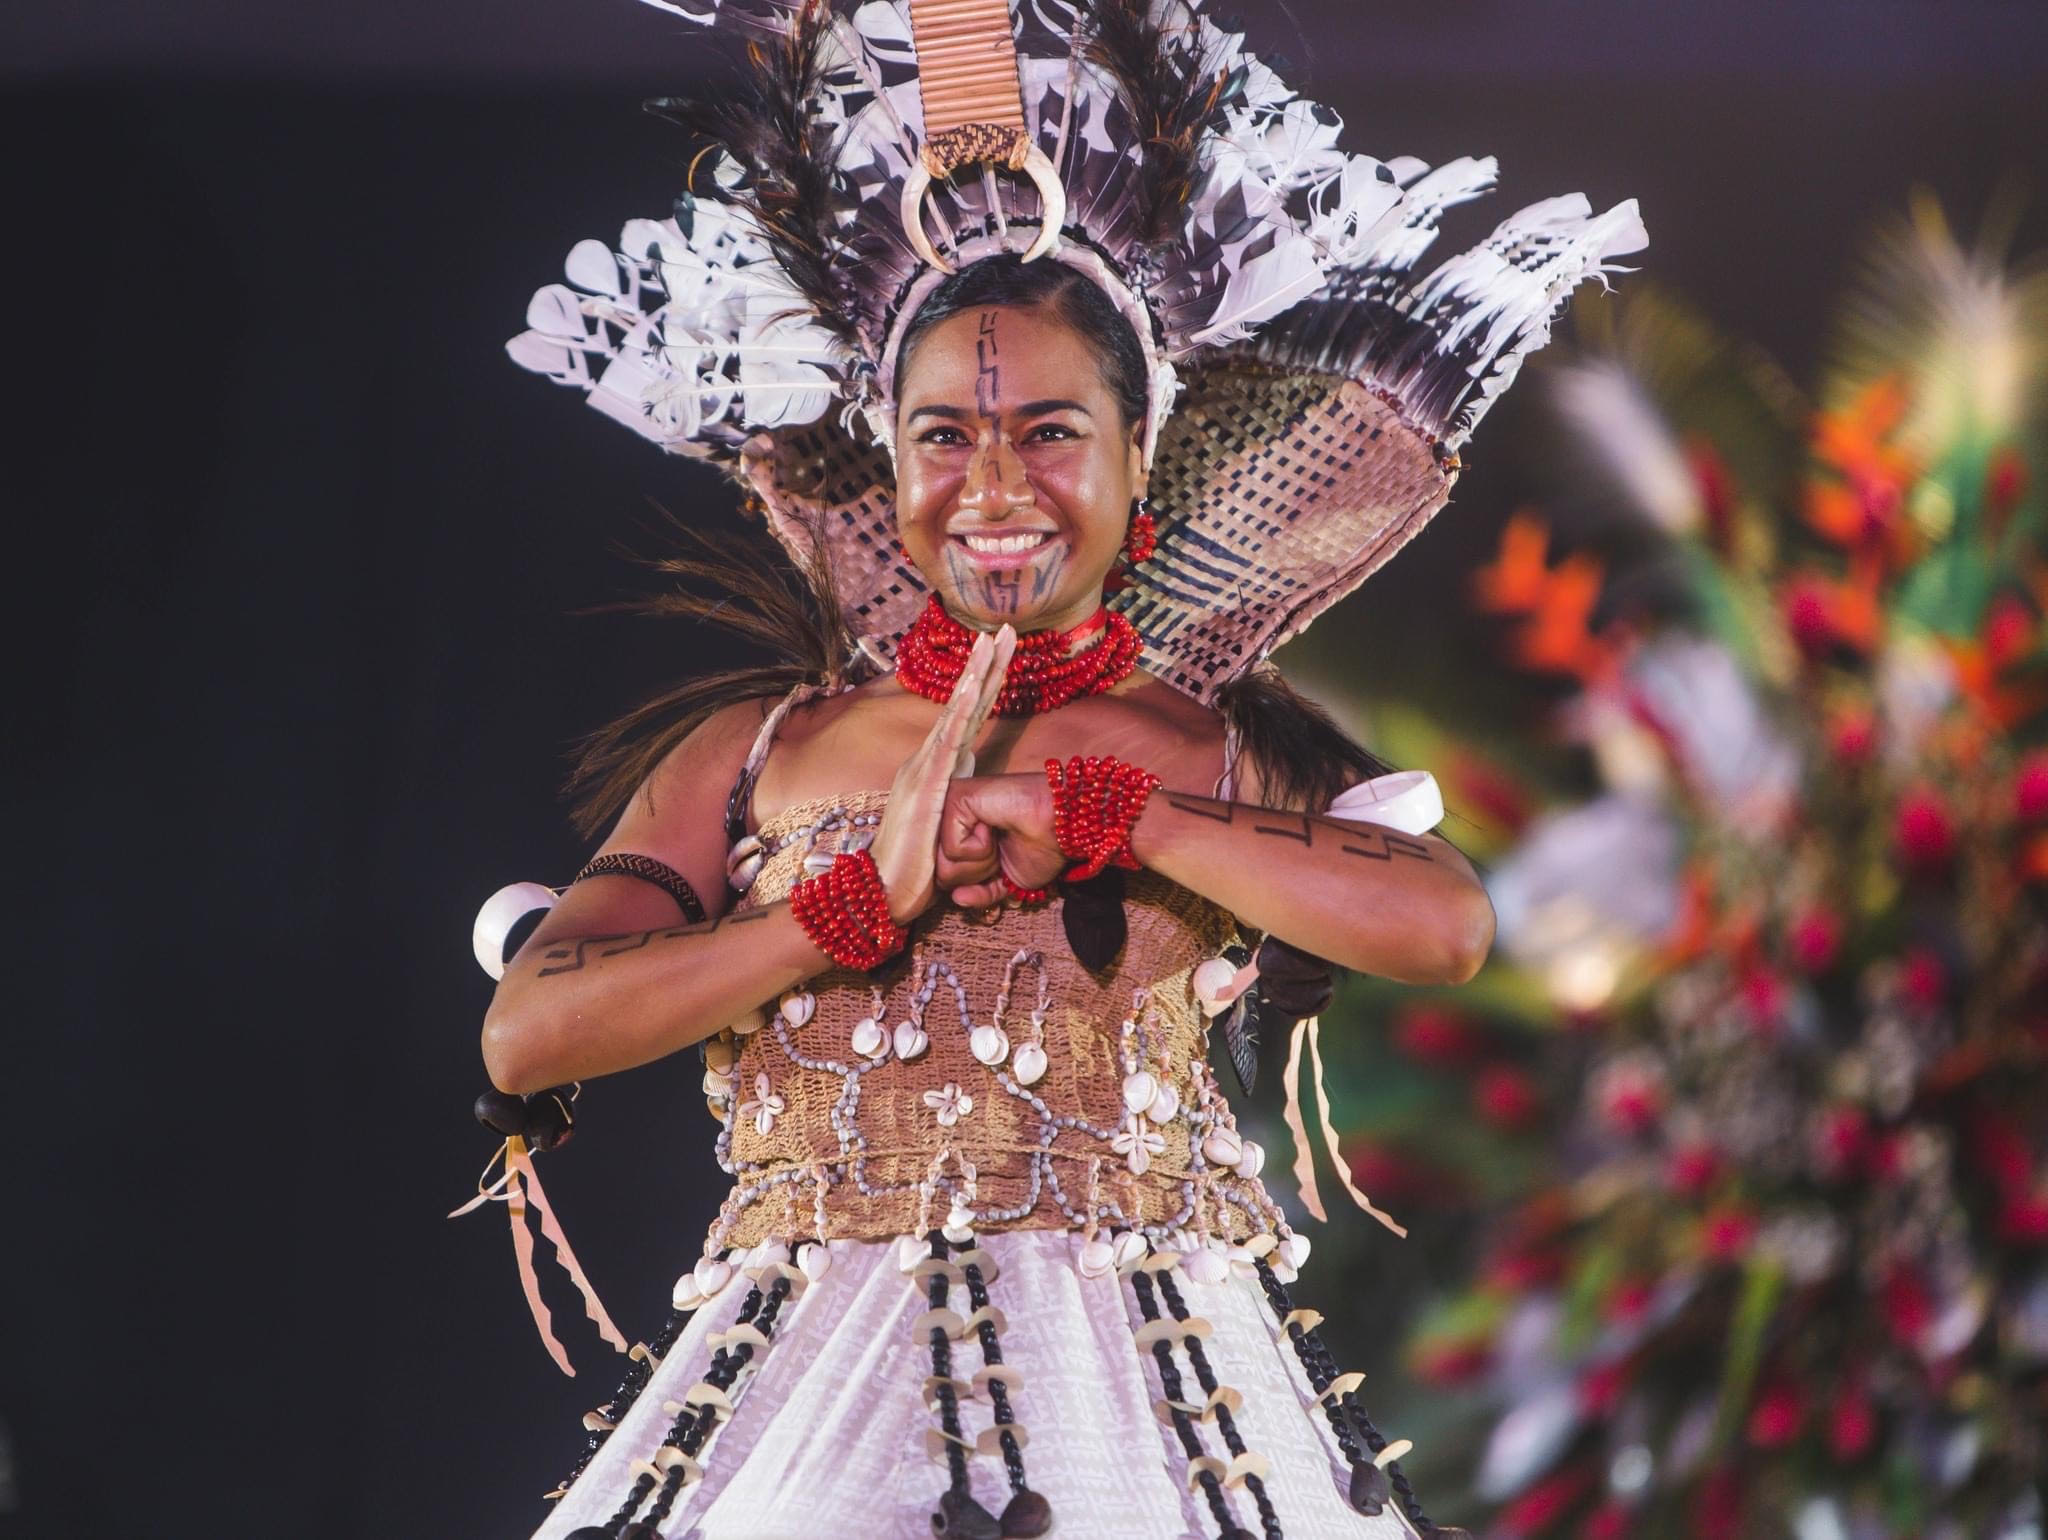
[[845, 912], [971, 144], [1097, 801]]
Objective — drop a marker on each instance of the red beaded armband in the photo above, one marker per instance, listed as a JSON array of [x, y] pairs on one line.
[[845, 911], [1097, 801]]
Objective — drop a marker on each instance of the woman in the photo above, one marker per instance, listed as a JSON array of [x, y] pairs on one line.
[[952, 930]]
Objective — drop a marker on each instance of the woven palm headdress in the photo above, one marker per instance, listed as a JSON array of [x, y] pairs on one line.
[[1308, 391]]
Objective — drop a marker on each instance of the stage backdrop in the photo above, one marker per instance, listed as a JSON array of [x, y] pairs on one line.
[[293, 671]]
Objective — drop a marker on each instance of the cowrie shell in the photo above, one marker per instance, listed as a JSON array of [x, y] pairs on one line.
[[1139, 1089], [686, 1295], [911, 1041], [798, 1006], [768, 1254], [1164, 1105], [1029, 1064], [870, 1041], [991, 1045], [712, 1274], [819, 861], [1223, 1148], [814, 1260], [1129, 1247], [1211, 981], [1294, 1248], [1096, 1259], [1253, 1160]]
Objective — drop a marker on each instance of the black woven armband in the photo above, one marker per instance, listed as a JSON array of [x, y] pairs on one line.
[[623, 863]]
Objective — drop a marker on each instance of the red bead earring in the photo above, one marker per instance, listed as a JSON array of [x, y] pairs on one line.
[[1141, 539]]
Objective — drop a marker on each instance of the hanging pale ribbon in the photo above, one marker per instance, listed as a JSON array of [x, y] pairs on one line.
[[1310, 1027], [516, 1187]]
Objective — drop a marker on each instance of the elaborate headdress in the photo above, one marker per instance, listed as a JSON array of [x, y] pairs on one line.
[[1308, 393]]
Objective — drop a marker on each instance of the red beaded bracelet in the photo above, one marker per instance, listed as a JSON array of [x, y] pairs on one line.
[[845, 911], [1097, 801]]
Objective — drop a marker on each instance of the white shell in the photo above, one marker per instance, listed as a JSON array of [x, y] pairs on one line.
[[911, 1041], [717, 1084], [768, 1254], [1222, 1148], [721, 1053], [749, 1024], [1029, 1064], [1206, 1266], [819, 861], [1139, 1089], [686, 1295], [1294, 1248], [870, 1041], [910, 1250], [1164, 1105], [991, 1045], [1097, 1258], [1130, 1247], [500, 912], [1253, 1160], [814, 1260], [798, 1006], [712, 1274], [959, 1225], [743, 862], [1212, 982]]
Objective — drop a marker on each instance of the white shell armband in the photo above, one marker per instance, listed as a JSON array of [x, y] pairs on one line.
[[1407, 802], [501, 911]]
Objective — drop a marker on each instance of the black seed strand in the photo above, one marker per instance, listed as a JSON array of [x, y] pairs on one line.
[[998, 1392], [1198, 1355], [1170, 1383]]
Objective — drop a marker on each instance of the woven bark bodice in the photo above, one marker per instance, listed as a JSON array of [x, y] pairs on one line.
[[995, 1083]]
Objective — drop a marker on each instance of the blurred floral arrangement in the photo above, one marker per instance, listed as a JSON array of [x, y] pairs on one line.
[[1761, 1079]]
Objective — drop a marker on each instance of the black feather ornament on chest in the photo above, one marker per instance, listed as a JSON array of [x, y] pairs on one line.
[[1093, 917]]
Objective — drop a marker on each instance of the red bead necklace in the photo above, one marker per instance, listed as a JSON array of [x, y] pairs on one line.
[[1045, 672]]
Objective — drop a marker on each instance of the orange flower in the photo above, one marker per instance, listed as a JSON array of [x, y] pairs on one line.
[[1557, 601], [1513, 584]]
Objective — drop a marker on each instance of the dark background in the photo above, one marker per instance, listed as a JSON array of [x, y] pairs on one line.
[[293, 670]]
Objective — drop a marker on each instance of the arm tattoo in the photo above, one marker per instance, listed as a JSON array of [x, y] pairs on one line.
[[1375, 844], [575, 956]]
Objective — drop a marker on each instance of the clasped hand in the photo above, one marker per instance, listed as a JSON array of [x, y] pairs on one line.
[[947, 830]]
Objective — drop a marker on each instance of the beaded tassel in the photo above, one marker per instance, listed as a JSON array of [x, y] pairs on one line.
[[1184, 1425], [1347, 1418], [693, 1426], [959, 1515], [1028, 1514], [1226, 1424], [600, 1422]]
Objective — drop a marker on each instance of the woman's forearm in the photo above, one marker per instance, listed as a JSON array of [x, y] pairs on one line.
[[570, 1008], [1399, 906]]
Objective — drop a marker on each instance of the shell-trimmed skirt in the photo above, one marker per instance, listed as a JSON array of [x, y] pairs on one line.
[[836, 1423]]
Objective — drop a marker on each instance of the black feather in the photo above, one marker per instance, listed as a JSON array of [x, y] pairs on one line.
[[1173, 92], [789, 187]]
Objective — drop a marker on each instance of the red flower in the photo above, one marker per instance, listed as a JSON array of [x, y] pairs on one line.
[[1505, 1097], [1764, 994], [1775, 1418], [1727, 1232], [1815, 937], [2001, 1152], [2030, 787], [1852, 1420], [1543, 1504], [1693, 1168], [1516, 1268], [2023, 1218], [1907, 1304], [1924, 832], [1841, 1136], [1607, 1522], [1809, 617], [1601, 1386], [1852, 737], [1430, 1034], [1886, 1156], [2005, 482], [2007, 632], [1923, 978], [1628, 1095], [1628, 1299]]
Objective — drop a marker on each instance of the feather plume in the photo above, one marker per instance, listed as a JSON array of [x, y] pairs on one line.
[[786, 160], [1171, 90]]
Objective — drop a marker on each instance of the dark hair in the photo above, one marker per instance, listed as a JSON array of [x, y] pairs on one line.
[[1067, 292]]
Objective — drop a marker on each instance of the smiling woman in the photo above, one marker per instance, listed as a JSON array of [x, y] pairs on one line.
[[1031, 812]]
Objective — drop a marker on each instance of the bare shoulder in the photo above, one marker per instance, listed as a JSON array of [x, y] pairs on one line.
[[690, 784], [1188, 736]]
